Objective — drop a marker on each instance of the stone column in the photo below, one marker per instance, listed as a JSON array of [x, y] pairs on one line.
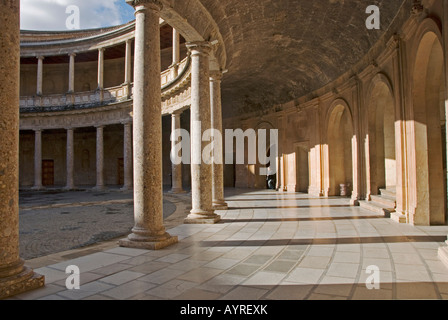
[[127, 156], [15, 278], [99, 158], [38, 160], [40, 73], [176, 55], [216, 124], [101, 68], [128, 62], [71, 73], [149, 231], [70, 160], [201, 172], [176, 169]]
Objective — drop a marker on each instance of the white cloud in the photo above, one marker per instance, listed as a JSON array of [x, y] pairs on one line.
[[51, 14]]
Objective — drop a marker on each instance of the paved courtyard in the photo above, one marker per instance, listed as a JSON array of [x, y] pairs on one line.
[[269, 245]]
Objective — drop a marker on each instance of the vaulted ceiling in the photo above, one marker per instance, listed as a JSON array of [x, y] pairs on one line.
[[281, 50]]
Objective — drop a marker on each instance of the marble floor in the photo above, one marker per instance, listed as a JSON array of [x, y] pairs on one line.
[[268, 246]]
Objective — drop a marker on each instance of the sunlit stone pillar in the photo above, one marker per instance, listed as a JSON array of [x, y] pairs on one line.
[[15, 278], [37, 160], [176, 55], [149, 231], [201, 171], [99, 158], [127, 156], [71, 73], [216, 124], [70, 185], [176, 169], [40, 73]]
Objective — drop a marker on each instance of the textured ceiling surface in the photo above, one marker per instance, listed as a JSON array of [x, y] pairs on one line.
[[284, 49]]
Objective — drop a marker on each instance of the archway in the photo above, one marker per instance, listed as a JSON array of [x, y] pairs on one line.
[[429, 123], [339, 154], [381, 139]]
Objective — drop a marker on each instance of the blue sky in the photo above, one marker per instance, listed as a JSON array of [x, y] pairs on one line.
[[52, 15]]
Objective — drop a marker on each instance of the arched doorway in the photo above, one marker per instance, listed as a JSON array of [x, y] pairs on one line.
[[429, 125], [339, 161]]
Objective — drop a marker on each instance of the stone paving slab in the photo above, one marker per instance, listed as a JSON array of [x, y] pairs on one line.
[[266, 253]]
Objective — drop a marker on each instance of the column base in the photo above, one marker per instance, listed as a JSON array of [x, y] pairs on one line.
[[99, 188], [138, 242], [443, 255], [38, 188], [24, 281], [354, 202], [177, 191], [220, 205], [398, 217], [202, 218], [126, 188]]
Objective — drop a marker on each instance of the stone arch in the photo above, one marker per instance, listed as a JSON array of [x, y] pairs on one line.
[[338, 159], [428, 150], [381, 166]]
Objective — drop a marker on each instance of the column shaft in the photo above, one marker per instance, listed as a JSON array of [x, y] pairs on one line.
[[40, 72], [99, 158], [70, 160], [216, 124], [71, 73], [14, 276], [149, 231], [37, 159], [128, 62], [127, 156], [176, 169], [176, 54], [201, 172], [100, 68]]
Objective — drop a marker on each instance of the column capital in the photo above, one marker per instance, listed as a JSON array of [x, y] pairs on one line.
[[216, 75], [176, 114], [199, 47], [100, 126], [72, 54], [40, 57], [153, 4], [101, 49]]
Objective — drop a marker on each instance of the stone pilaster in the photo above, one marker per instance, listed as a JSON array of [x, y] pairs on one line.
[[149, 231], [176, 169], [38, 160], [70, 185], [15, 277], [201, 172], [99, 158], [127, 156], [216, 124]]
